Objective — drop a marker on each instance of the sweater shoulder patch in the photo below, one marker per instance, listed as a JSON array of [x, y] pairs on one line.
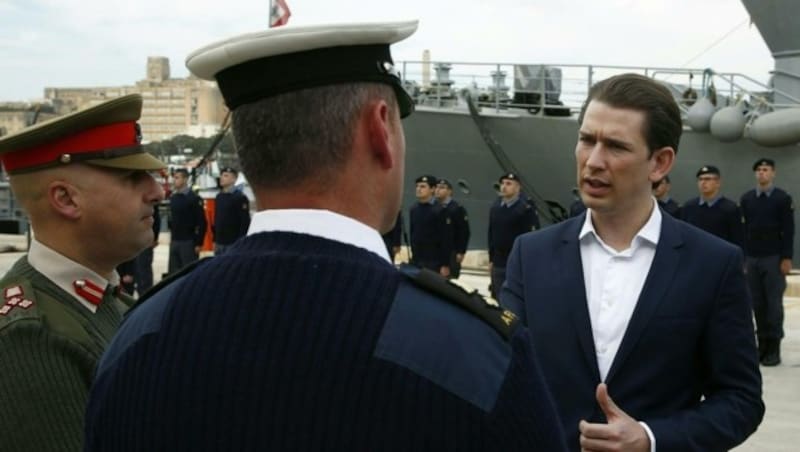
[[443, 341], [503, 321]]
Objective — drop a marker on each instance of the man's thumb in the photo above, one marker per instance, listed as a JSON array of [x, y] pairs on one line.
[[610, 409]]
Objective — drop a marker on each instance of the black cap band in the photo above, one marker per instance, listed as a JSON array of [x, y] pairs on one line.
[[266, 77]]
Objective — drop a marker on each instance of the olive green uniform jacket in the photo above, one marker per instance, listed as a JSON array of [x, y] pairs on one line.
[[50, 343]]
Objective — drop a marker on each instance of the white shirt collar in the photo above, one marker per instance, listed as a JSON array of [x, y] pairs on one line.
[[320, 223], [650, 232], [63, 271]]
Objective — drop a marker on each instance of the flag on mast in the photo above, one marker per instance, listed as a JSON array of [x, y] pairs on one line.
[[278, 13]]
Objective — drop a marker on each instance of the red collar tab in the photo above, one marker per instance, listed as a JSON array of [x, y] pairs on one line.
[[89, 291], [110, 136]]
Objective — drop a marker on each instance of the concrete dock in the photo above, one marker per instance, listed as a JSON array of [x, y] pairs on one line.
[[777, 433]]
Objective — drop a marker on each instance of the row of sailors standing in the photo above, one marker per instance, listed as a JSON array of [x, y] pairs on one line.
[[439, 227]]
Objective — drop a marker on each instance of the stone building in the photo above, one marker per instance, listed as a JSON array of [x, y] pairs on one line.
[[171, 106]]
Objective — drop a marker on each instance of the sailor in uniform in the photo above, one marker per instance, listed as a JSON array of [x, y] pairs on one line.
[[430, 228], [231, 212], [459, 222], [713, 212], [665, 201], [187, 223], [83, 179], [769, 221], [509, 217], [303, 335]]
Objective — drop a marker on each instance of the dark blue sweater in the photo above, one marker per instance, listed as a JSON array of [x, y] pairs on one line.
[[769, 222], [505, 224], [187, 219], [723, 219], [231, 217], [293, 342]]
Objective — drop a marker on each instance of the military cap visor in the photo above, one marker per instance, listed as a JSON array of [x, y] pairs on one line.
[[430, 180], [256, 66], [708, 169], [103, 135], [509, 176], [763, 162], [446, 183]]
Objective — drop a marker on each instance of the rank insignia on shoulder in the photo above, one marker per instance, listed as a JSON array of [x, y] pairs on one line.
[[504, 322], [14, 297]]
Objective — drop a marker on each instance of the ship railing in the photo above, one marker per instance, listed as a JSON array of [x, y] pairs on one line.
[[550, 88]]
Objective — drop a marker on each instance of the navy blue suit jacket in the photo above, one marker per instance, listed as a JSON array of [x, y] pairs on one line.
[[687, 365]]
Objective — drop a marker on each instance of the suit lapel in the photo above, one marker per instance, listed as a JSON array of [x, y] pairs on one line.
[[659, 278], [569, 259]]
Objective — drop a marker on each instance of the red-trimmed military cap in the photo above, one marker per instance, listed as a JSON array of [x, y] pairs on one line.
[[102, 135]]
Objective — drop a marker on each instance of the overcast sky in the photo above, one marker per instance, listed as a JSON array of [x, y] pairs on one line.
[[73, 43]]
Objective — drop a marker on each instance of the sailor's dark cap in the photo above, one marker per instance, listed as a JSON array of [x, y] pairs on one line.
[[228, 169], [445, 182], [255, 66], [509, 176], [428, 179], [105, 135], [763, 162], [708, 169]]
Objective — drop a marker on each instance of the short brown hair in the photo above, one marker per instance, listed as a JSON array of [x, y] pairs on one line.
[[662, 124]]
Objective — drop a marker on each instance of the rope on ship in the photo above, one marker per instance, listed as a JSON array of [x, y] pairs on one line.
[[555, 212]]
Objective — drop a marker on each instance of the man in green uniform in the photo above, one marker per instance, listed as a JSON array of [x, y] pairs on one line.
[[83, 180]]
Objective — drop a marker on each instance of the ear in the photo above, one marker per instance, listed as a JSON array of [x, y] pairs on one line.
[[64, 199], [662, 159], [379, 128]]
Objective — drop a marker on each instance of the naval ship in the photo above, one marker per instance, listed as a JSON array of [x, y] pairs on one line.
[[474, 122]]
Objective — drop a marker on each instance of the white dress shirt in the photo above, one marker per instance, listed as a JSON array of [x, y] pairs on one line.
[[63, 271], [614, 281], [320, 223]]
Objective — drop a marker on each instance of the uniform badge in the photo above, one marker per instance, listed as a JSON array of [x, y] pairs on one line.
[[88, 290], [14, 298]]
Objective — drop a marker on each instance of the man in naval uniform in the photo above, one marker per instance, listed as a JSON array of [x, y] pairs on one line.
[[83, 181], [303, 335], [769, 221], [459, 223], [187, 223], [665, 201], [509, 217], [231, 212], [713, 212], [430, 229]]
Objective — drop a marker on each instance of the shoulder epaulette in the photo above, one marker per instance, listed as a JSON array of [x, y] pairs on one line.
[[17, 302], [501, 320], [169, 280], [22, 302]]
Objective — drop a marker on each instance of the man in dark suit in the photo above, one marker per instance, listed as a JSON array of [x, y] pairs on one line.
[[625, 301]]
